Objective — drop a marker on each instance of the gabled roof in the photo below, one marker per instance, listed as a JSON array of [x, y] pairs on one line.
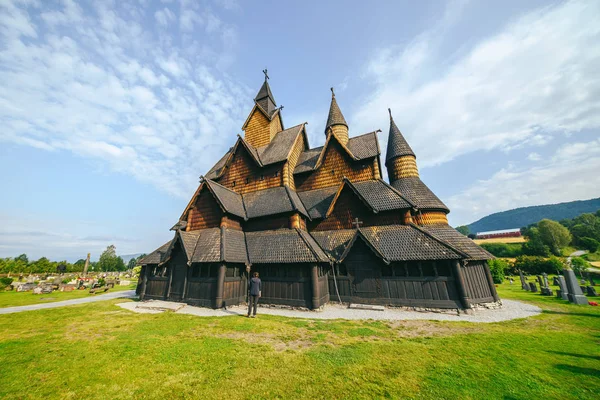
[[278, 150], [358, 148], [273, 201], [333, 242], [397, 146], [229, 201], [375, 194], [317, 201], [156, 256], [335, 116], [282, 145], [414, 190], [406, 242], [358, 235], [458, 241], [283, 246]]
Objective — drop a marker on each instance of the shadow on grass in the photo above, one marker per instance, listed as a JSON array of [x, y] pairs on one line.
[[579, 370], [562, 353], [571, 313]]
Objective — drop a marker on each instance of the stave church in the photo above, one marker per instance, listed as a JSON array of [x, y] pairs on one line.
[[318, 224]]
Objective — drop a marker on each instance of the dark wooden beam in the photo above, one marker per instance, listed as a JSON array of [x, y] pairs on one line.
[[490, 281], [220, 285], [460, 281], [315, 286]]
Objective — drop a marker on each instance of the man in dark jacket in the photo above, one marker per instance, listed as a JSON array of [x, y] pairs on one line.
[[254, 287]]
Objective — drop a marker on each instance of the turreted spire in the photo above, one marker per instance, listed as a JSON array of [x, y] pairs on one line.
[[397, 146], [335, 114], [336, 123], [264, 98]]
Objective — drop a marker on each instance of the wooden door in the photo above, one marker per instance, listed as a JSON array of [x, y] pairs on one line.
[[364, 269], [179, 269]]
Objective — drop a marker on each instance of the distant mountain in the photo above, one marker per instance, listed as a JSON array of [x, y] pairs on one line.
[[524, 216]]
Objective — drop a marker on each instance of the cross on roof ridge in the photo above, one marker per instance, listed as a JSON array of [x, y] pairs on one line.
[[357, 223]]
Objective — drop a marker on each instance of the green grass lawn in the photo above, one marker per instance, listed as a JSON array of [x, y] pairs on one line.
[[102, 351], [13, 298]]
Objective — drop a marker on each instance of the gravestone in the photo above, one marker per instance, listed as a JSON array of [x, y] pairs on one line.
[[533, 287], [563, 292], [524, 284], [545, 289], [540, 281], [575, 294], [591, 291], [555, 281]]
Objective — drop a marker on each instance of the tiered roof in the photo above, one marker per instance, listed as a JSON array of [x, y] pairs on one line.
[[335, 116]]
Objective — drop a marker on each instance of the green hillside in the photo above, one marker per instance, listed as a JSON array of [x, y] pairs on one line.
[[524, 216]]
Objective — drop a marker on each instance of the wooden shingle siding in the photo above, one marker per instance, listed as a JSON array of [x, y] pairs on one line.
[[274, 128], [243, 169], [205, 213], [341, 133], [258, 131], [290, 165], [336, 165], [431, 217], [346, 209], [403, 167], [231, 223]]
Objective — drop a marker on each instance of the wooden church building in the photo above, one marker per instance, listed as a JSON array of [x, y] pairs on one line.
[[318, 224]]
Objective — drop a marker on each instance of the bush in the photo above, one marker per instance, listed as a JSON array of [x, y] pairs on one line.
[[589, 244], [504, 249], [497, 269], [535, 265], [4, 282], [579, 265]]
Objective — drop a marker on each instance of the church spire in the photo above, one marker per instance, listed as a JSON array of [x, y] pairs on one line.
[[400, 159], [264, 98], [336, 121]]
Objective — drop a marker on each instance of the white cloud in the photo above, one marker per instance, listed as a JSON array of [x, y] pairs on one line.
[[101, 86], [570, 174], [536, 78], [164, 17], [534, 157]]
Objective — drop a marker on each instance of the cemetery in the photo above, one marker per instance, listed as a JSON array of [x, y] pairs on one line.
[[215, 357]]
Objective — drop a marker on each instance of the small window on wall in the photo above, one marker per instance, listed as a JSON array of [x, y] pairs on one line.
[[213, 271], [247, 181], [399, 269], [196, 271], [428, 268], [166, 271], [444, 268], [413, 269], [276, 174], [386, 270], [230, 272]]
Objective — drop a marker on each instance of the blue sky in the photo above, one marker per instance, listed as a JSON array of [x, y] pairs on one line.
[[111, 110]]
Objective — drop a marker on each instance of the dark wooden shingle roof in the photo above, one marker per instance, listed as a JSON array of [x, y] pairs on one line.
[[380, 196], [229, 200], [283, 246], [279, 148], [397, 146], [156, 256], [272, 201], [333, 242], [414, 190], [318, 201], [335, 116], [457, 240]]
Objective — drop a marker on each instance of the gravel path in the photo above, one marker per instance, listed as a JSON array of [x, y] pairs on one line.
[[83, 300], [510, 310]]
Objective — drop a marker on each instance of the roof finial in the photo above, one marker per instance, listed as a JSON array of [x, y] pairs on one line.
[[332, 93], [390, 111], [266, 76]]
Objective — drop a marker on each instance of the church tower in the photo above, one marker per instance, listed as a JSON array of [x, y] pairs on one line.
[[264, 121], [400, 159], [336, 121]]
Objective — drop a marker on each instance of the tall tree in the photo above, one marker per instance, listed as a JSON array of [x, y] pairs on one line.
[[109, 261], [463, 229], [534, 245], [554, 235], [131, 263]]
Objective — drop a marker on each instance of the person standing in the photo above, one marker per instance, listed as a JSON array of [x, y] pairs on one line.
[[255, 292]]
